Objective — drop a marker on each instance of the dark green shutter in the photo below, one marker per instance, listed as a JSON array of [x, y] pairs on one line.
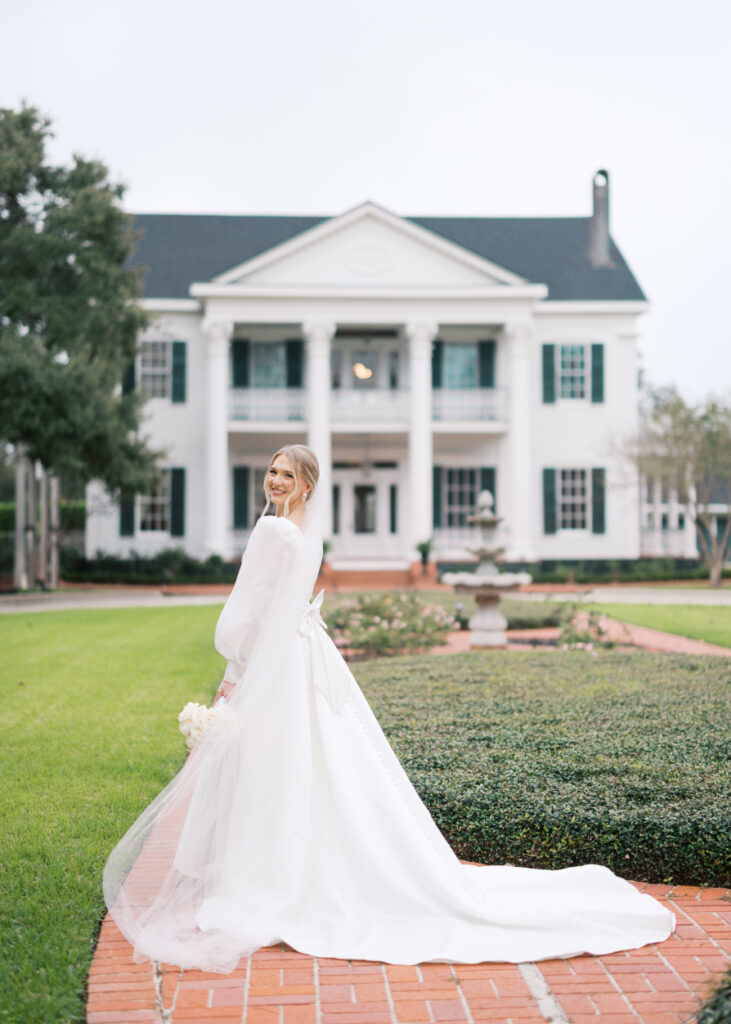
[[488, 480], [241, 497], [437, 360], [129, 379], [393, 495], [177, 502], [179, 372], [127, 515], [597, 373], [295, 355], [487, 364], [336, 508], [240, 348], [549, 500], [549, 373], [437, 496], [598, 501]]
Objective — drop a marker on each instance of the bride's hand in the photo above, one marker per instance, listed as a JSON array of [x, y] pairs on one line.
[[224, 690]]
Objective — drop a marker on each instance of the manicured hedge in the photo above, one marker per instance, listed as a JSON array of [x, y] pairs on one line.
[[548, 759], [170, 566], [173, 565], [602, 570]]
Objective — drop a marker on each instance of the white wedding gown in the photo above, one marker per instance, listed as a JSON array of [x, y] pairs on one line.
[[293, 820]]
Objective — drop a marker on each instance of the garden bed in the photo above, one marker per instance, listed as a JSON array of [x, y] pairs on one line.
[[555, 759]]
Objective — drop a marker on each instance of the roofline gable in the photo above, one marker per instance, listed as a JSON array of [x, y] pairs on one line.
[[420, 234]]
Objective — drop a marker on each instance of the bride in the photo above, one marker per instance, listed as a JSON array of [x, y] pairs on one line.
[[292, 819]]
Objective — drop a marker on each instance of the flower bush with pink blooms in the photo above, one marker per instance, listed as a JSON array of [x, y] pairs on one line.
[[377, 624]]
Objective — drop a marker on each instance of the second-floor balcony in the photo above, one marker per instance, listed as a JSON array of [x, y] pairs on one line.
[[468, 404], [382, 405], [266, 404]]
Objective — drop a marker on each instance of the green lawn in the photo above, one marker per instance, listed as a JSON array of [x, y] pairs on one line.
[[90, 701], [702, 622], [90, 704]]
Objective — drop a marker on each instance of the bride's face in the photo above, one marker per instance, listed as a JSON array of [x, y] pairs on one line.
[[281, 480]]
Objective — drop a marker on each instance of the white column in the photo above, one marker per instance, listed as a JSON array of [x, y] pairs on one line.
[[216, 480], [420, 336], [318, 337], [525, 482]]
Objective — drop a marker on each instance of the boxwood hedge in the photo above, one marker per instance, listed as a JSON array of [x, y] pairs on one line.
[[551, 759]]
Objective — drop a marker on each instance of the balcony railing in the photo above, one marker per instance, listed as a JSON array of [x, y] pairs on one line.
[[267, 404], [468, 404], [389, 404]]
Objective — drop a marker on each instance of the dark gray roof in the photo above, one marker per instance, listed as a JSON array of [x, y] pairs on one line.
[[179, 249]]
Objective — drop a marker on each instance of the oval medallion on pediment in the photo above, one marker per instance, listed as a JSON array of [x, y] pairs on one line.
[[368, 260]]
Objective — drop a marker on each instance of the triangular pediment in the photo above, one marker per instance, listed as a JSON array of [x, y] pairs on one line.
[[369, 247]]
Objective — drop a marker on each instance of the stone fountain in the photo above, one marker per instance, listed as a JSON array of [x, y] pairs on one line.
[[487, 584]]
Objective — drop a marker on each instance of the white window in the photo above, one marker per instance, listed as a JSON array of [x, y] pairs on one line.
[[269, 365], [154, 509], [572, 371], [460, 496], [572, 503], [156, 368], [460, 365]]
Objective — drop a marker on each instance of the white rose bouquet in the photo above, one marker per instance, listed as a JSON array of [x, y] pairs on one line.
[[195, 719]]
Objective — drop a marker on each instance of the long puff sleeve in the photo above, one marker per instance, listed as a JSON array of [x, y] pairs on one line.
[[265, 561]]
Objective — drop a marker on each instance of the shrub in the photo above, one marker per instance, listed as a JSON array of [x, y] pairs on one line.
[[717, 1009], [375, 624], [72, 515], [552, 759], [168, 566]]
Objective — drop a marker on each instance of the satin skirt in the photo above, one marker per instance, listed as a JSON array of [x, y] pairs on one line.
[[304, 828]]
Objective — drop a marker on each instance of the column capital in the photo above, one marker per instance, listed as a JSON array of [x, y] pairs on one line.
[[420, 336], [319, 332], [219, 335], [517, 331]]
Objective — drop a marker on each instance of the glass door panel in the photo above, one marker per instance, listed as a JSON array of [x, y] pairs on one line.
[[364, 507]]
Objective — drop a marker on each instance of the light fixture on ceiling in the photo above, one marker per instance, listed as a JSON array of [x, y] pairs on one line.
[[361, 371]]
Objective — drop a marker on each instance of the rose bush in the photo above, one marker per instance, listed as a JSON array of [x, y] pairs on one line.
[[376, 624]]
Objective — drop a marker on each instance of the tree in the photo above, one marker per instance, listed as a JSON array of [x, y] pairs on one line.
[[69, 319], [689, 449]]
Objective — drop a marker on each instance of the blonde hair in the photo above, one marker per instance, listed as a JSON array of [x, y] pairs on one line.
[[306, 467]]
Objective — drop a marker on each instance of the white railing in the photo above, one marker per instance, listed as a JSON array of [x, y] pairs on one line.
[[468, 404], [656, 542], [385, 404], [266, 404], [372, 404]]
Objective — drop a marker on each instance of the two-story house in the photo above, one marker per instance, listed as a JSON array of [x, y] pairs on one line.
[[423, 358]]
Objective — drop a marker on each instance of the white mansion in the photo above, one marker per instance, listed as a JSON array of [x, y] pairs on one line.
[[423, 358]]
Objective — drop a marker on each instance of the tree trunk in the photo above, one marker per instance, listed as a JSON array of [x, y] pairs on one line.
[[20, 567], [716, 577], [31, 527], [53, 531], [42, 563]]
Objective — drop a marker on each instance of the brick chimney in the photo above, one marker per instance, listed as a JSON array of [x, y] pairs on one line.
[[599, 253]]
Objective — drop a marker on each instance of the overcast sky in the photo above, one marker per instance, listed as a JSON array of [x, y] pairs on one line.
[[467, 107]]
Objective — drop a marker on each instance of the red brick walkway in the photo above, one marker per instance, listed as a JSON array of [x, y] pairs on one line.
[[661, 984]]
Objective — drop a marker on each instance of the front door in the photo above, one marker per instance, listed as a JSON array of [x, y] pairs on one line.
[[366, 513]]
